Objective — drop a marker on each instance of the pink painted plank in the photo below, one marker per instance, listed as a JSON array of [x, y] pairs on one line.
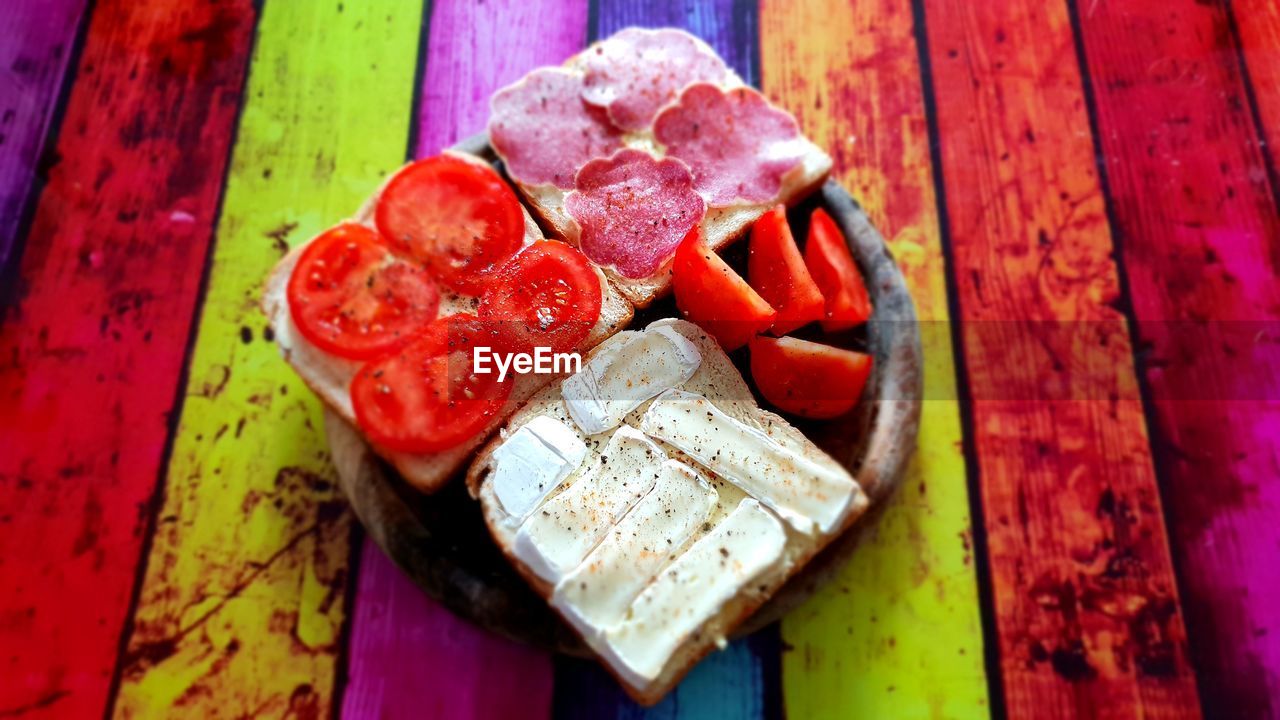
[[33, 59], [409, 656]]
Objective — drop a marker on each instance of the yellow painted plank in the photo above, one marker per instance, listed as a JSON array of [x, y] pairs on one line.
[[898, 633], [243, 599]]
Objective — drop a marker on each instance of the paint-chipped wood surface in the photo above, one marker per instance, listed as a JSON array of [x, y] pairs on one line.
[[1082, 194]]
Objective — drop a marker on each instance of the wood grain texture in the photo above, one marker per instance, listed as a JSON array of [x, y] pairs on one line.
[[1085, 599], [1201, 250], [93, 350], [1258, 24], [243, 603], [33, 60], [736, 682], [898, 633], [472, 50]]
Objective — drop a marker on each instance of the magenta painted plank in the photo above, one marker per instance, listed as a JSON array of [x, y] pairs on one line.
[[33, 60], [1201, 248], [409, 656]]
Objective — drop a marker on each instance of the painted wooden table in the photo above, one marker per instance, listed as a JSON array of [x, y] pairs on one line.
[[1083, 196]]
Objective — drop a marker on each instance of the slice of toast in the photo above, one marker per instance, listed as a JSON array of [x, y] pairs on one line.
[[329, 376], [721, 226], [635, 487]]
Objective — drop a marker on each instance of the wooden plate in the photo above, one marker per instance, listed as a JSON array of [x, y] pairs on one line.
[[441, 541]]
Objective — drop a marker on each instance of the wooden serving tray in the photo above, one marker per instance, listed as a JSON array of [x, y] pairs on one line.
[[441, 541]]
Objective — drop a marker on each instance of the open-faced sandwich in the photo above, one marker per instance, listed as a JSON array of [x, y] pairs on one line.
[[643, 493]]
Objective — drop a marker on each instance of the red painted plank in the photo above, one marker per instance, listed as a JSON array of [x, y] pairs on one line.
[[457, 671], [1201, 250], [1085, 600], [91, 354], [33, 60]]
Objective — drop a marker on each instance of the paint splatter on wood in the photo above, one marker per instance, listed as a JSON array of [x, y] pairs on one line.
[[1085, 599], [244, 598], [33, 61], [93, 349], [472, 50], [898, 633], [1191, 198]]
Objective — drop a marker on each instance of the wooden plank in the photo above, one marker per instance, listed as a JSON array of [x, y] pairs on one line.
[[734, 683], [1084, 593], [472, 50], [93, 349], [898, 633], [33, 61], [1201, 250], [1258, 25], [243, 603]]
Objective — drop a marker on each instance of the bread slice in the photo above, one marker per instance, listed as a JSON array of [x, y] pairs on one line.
[[721, 226], [718, 381], [329, 376]]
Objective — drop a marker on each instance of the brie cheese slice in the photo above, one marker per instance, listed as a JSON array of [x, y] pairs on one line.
[[802, 492], [693, 589], [621, 377], [558, 535], [597, 593], [534, 461]]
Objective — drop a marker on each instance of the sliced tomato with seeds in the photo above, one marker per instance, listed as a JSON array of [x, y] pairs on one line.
[[458, 218], [352, 297], [425, 396], [546, 296]]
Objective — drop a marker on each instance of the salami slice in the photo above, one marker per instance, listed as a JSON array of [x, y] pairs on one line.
[[635, 72], [634, 209], [737, 144], [544, 131]]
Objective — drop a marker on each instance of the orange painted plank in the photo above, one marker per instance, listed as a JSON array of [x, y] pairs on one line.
[[91, 354], [1258, 26], [1191, 198], [1086, 604], [898, 632]]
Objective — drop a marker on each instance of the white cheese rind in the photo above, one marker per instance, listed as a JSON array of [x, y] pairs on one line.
[[598, 592], [532, 462], [558, 535], [692, 590], [802, 492], [621, 377]]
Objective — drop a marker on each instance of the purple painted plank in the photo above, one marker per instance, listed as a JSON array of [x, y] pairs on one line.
[[736, 683], [33, 59], [410, 657]]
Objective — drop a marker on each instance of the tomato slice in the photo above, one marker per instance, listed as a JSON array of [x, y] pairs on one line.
[[776, 270], [831, 264], [546, 296], [352, 297], [424, 397], [711, 294], [807, 378], [456, 217]]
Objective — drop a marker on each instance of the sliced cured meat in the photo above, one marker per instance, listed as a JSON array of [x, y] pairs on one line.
[[545, 132], [633, 210], [635, 72], [737, 144]]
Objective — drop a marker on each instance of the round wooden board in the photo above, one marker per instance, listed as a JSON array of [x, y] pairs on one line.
[[441, 541]]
